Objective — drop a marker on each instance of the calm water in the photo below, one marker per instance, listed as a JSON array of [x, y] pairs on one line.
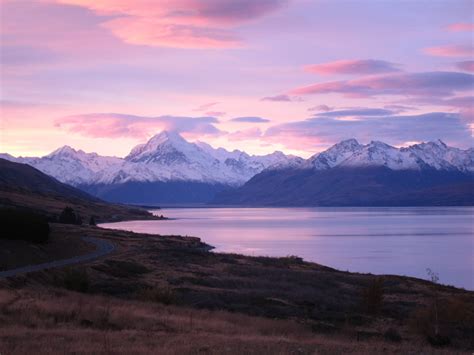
[[402, 241]]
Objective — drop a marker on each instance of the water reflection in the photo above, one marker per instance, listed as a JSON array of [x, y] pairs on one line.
[[402, 241]]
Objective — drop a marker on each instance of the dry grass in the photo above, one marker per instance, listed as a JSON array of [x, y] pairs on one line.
[[65, 322], [167, 293]]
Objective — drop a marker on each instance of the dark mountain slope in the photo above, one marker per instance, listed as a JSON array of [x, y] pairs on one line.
[[372, 186], [26, 187], [24, 177], [158, 192]]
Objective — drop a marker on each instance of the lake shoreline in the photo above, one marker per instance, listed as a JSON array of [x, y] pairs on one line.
[[344, 239]]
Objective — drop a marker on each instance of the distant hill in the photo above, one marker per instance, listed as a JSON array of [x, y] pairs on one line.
[[24, 186], [377, 186]]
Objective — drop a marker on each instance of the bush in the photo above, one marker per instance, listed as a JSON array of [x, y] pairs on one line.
[[392, 335], [372, 296], [444, 320], [23, 225], [68, 216], [165, 295], [75, 280]]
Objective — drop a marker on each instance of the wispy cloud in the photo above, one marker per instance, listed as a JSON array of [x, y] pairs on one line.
[[454, 50], [215, 113], [418, 84], [358, 67], [467, 65], [323, 108], [461, 27], [278, 98], [357, 112], [250, 119], [246, 134], [205, 107], [178, 23], [314, 133], [114, 125]]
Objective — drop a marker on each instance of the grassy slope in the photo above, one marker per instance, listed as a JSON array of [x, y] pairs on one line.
[[320, 309]]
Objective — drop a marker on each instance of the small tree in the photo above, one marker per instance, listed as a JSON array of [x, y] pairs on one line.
[[92, 221], [434, 277], [68, 216], [372, 296]]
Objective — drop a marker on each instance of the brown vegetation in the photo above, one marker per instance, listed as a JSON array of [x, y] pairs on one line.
[[170, 293]]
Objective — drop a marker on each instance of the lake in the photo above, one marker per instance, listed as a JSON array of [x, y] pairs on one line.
[[402, 241]]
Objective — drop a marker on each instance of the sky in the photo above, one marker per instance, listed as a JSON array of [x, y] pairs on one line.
[[290, 75]]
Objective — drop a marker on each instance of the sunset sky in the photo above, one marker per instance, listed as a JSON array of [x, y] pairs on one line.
[[296, 75]]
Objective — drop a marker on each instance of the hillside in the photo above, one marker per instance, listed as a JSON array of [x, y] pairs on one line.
[[24, 186], [374, 186]]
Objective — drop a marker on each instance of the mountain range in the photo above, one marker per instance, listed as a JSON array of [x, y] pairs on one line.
[[169, 169], [375, 174]]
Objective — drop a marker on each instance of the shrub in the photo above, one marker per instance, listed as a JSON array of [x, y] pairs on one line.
[[76, 280], [392, 334], [68, 216], [165, 295], [19, 224], [445, 319], [92, 221], [372, 296]]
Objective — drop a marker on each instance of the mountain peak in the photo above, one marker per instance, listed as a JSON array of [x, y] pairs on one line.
[[165, 136], [64, 150], [348, 142]]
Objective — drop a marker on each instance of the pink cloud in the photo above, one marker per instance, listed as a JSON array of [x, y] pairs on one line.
[[178, 23], [215, 113], [205, 107], [366, 66], [277, 98], [418, 84], [323, 108], [450, 51], [246, 134], [467, 65], [115, 125], [282, 98], [460, 27]]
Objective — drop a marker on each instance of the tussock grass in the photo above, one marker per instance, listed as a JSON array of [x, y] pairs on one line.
[[67, 322]]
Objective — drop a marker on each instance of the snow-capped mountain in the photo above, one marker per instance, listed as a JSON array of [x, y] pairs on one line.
[[165, 157], [73, 167], [432, 155], [374, 174]]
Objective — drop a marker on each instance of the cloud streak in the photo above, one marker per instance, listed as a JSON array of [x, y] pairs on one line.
[[467, 65], [461, 27], [250, 119], [357, 112], [357, 67], [455, 50], [178, 23], [115, 125], [322, 131], [418, 84]]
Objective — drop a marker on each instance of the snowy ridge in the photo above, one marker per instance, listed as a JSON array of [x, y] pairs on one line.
[[432, 155], [169, 157], [165, 157]]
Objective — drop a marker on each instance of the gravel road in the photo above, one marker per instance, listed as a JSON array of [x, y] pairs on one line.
[[103, 247]]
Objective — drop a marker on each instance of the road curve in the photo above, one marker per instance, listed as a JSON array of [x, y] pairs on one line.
[[104, 247]]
